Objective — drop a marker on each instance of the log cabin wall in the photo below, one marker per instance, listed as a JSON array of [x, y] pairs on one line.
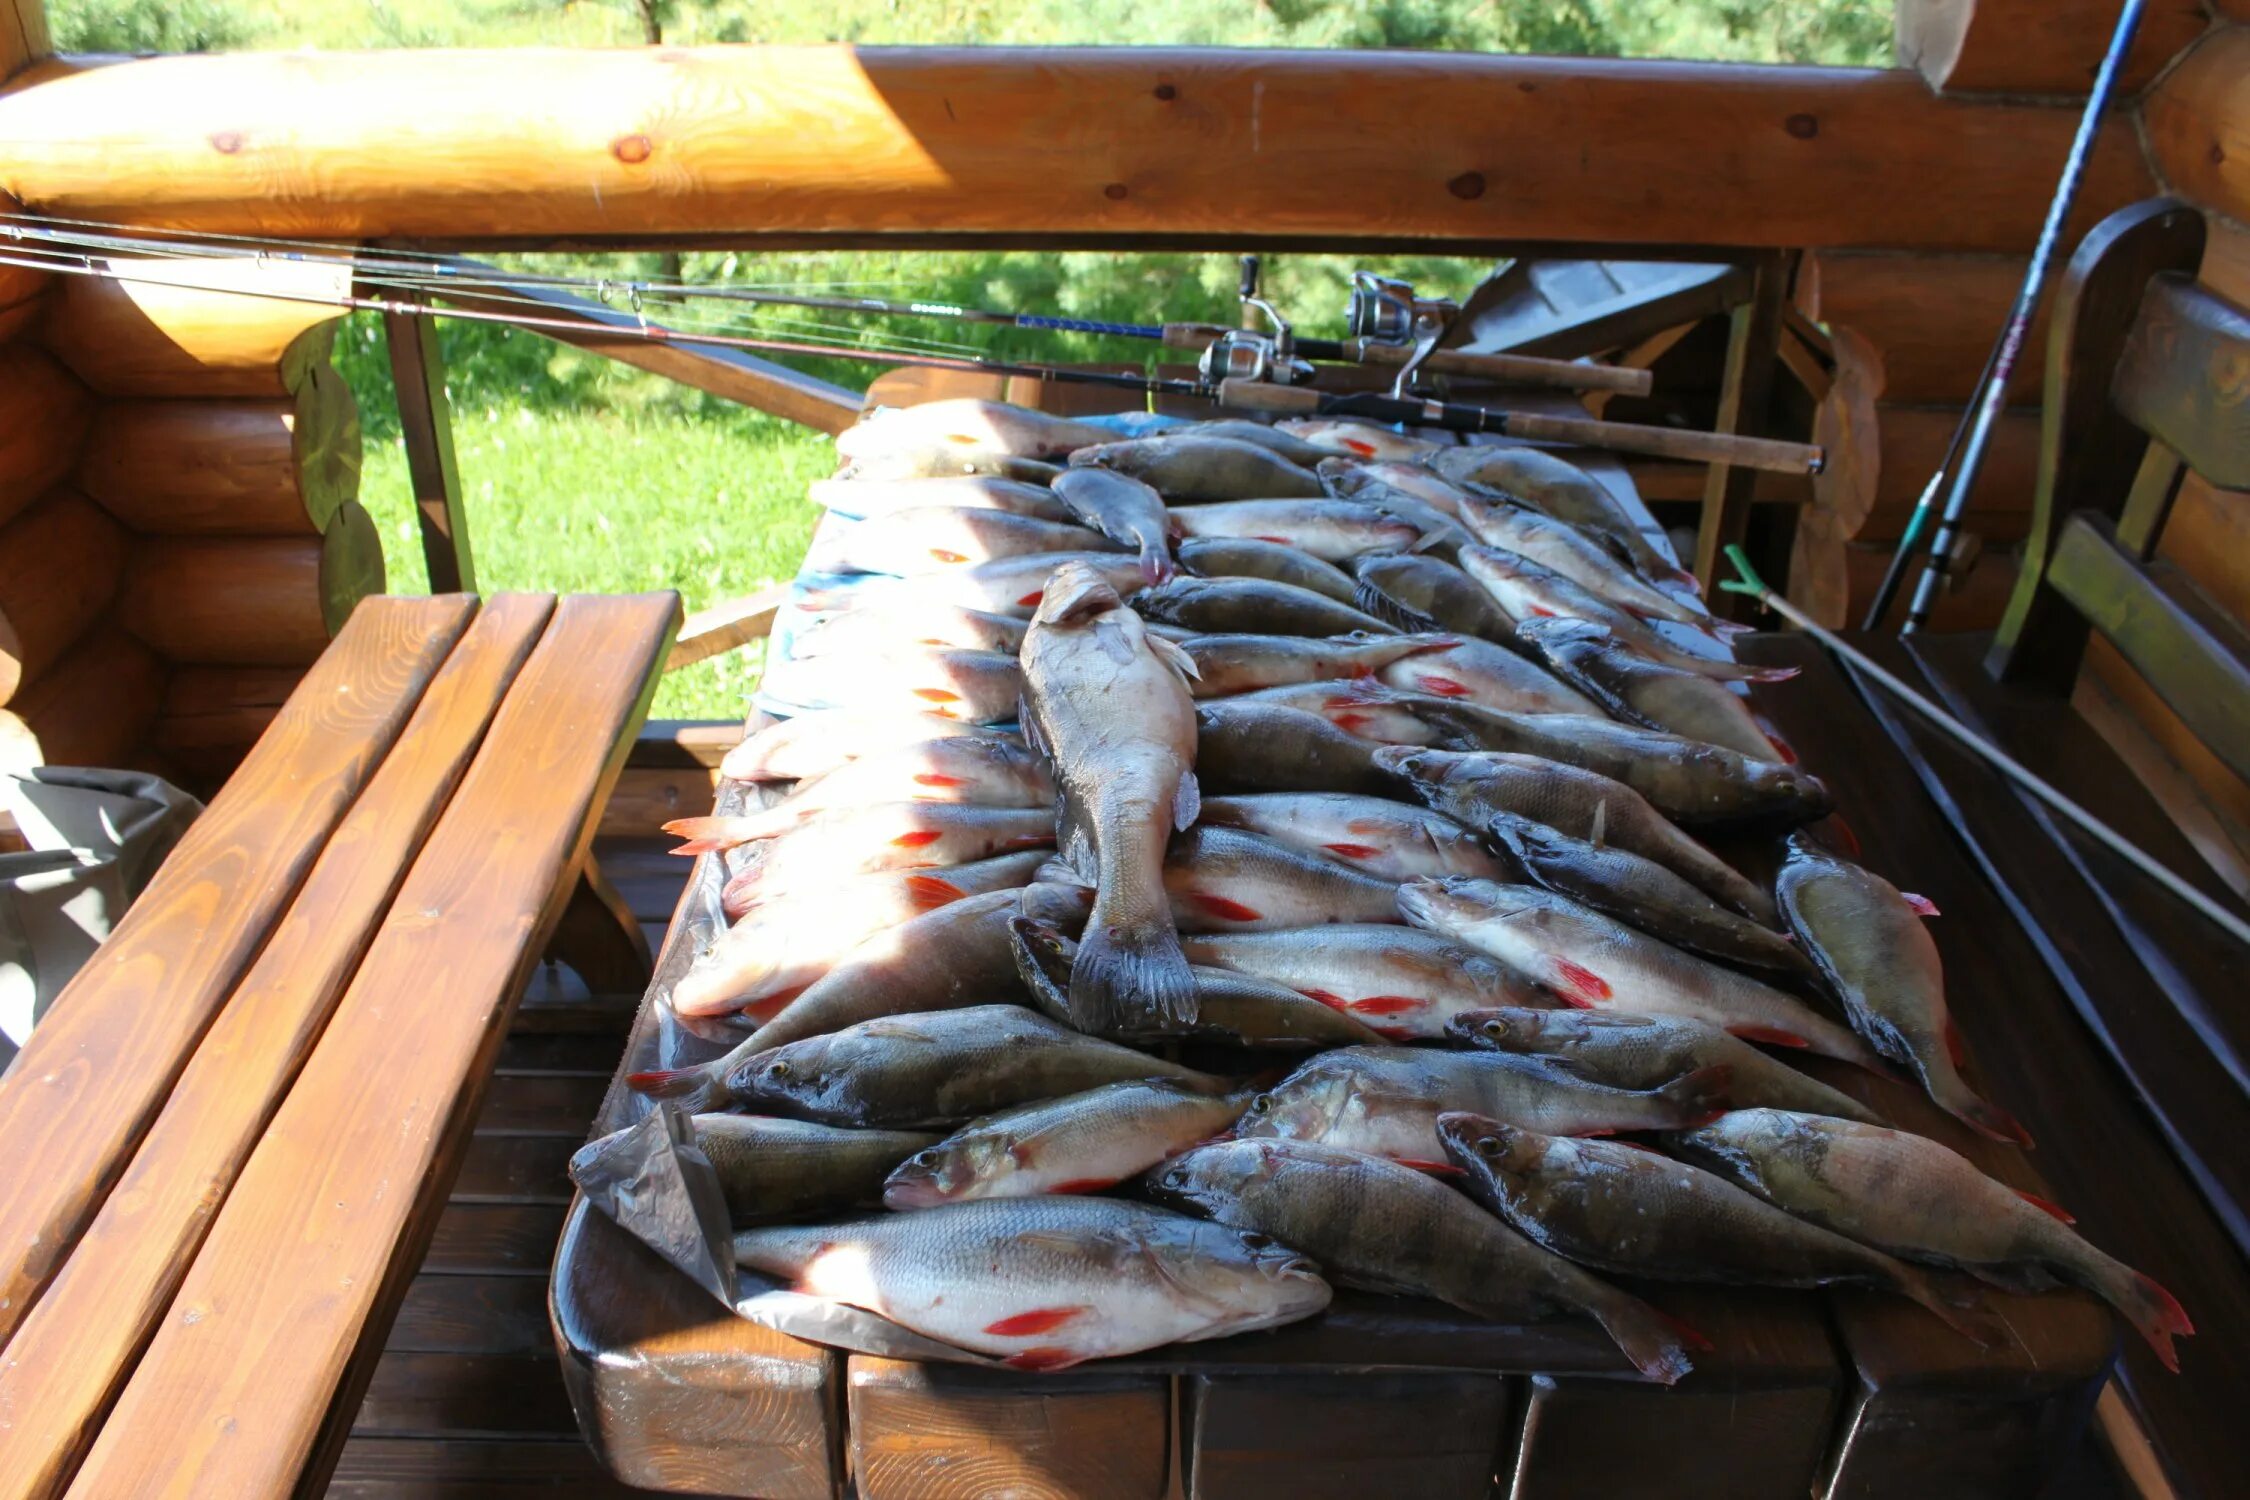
[[179, 529]]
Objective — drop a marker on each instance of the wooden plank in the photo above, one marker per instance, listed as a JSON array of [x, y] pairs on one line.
[[1077, 145], [1753, 335], [1933, 318], [2206, 801], [1289, 1435], [425, 421], [727, 625], [71, 1355], [647, 798], [476, 1314], [303, 1260], [947, 1432], [2196, 120], [557, 1103], [402, 1468], [2171, 379], [680, 743], [733, 374], [2036, 46], [516, 1169], [456, 1396], [94, 1075], [495, 1238]]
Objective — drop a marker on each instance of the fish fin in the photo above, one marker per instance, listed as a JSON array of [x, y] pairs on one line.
[[2046, 1206], [1088, 594], [1987, 1118], [1038, 1320], [1701, 1096], [1600, 827], [1770, 674], [928, 892], [1222, 908], [1174, 656], [1923, 905], [703, 835], [1046, 1358], [1440, 687], [691, 1086], [1581, 985], [1187, 801], [693, 847], [1352, 851], [1383, 607], [1156, 563], [1033, 736], [1078, 1185], [1131, 978], [1847, 839], [1655, 1341], [2155, 1312]]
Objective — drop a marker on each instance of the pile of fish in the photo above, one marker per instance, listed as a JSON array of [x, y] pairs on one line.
[[1233, 861]]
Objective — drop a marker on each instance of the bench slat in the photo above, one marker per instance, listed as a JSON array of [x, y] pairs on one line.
[[100, 1065], [71, 1355], [308, 1257]]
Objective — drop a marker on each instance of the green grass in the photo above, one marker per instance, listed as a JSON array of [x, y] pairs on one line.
[[584, 475]]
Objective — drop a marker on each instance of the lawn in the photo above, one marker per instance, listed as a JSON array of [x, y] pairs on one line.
[[584, 475]]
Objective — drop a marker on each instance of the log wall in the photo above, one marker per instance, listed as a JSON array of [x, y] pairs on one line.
[[179, 529]]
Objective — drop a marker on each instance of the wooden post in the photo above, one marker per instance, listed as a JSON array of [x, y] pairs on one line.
[[425, 422], [1753, 349]]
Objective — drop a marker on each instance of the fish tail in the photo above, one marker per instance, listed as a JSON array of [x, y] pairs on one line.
[[1652, 1340], [706, 834], [1956, 1098], [1701, 1096], [1131, 978], [690, 1086], [2151, 1309]]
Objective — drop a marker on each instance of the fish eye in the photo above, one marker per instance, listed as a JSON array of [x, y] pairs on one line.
[[1488, 1147], [1494, 1029], [1255, 1241], [1261, 1105], [925, 1158], [780, 1072]]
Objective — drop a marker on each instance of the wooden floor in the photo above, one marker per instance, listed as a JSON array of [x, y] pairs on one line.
[[468, 1400]]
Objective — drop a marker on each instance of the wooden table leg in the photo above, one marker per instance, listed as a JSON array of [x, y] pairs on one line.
[[600, 938], [1753, 351], [425, 422]]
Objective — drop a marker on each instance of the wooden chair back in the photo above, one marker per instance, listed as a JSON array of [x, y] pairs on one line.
[[2148, 381]]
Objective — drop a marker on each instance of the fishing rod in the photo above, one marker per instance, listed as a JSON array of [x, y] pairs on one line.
[[1747, 582], [1227, 389], [1978, 420], [1374, 346]]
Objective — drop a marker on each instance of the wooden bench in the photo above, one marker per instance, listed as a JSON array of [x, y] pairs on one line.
[[229, 1139], [2125, 1031]]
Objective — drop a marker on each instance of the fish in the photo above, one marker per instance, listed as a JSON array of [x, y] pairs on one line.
[[1124, 510], [1295, 449], [1401, 982], [1478, 671], [1185, 465], [889, 897], [842, 842], [1332, 530], [1386, 1100], [1641, 1052], [812, 744], [1439, 522], [1252, 606], [1869, 944], [1632, 688], [1412, 477], [1244, 745], [1688, 780], [1920, 1200], [1473, 788], [1566, 550], [1241, 663], [987, 772], [1229, 1006], [977, 687], [1004, 586], [879, 497], [1560, 489], [1371, 1223], [1247, 557], [1109, 706], [1225, 880], [1046, 1283], [1639, 891], [915, 1071], [935, 538], [1600, 964], [1361, 706], [1421, 593], [968, 422], [910, 459], [1080, 1143], [1632, 1212], [1352, 438], [1527, 590], [784, 1169], [886, 629], [1392, 840]]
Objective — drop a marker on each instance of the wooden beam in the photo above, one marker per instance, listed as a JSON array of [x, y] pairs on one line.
[[2036, 46], [425, 420], [732, 373], [2198, 123], [726, 625], [23, 34], [1753, 340], [1080, 145]]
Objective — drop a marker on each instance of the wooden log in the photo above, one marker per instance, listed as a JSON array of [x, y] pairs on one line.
[[60, 562], [1834, 579], [24, 37], [94, 706], [274, 466], [946, 1432], [43, 417], [2195, 122], [199, 328], [1847, 427], [1933, 318], [2035, 46], [1314, 1434], [1077, 145], [211, 716], [1910, 442], [255, 601], [17, 318]]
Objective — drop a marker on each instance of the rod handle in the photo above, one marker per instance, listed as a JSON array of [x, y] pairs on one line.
[[1511, 369], [1260, 395], [1770, 454]]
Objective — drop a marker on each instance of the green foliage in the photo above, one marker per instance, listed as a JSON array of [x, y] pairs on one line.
[[152, 25]]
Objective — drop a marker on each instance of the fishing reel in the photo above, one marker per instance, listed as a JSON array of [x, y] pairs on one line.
[[1385, 310], [1266, 355]]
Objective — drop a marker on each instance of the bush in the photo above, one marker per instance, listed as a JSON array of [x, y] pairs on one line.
[[149, 26]]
